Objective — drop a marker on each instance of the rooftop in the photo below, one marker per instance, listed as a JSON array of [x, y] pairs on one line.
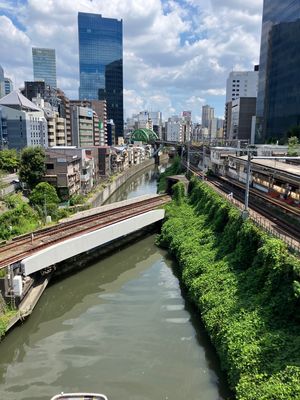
[[16, 99], [276, 165]]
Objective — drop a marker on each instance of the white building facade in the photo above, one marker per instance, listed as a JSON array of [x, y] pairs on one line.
[[174, 129], [26, 123], [241, 84]]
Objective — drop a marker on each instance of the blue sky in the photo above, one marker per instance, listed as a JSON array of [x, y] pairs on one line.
[[177, 54]]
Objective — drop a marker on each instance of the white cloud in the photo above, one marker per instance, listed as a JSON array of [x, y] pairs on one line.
[[174, 51]]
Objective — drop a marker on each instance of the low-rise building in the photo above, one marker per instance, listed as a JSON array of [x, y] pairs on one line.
[[119, 159], [63, 172], [26, 123], [104, 161]]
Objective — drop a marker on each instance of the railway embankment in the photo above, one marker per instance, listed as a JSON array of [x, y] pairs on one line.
[[246, 286]]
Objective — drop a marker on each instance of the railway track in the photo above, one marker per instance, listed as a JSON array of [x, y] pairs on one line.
[[279, 222], [26, 245], [284, 207], [281, 225]]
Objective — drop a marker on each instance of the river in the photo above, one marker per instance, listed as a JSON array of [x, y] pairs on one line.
[[121, 327]]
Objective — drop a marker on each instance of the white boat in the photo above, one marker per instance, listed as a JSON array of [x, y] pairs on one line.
[[79, 396]]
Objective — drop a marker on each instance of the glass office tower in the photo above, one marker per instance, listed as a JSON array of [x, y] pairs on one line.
[[101, 63], [44, 66], [281, 83]]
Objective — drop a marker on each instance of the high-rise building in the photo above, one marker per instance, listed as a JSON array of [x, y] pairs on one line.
[[8, 85], [101, 64], [208, 114], [2, 84], [3, 130], [241, 84], [277, 108], [208, 117], [44, 66], [242, 112]]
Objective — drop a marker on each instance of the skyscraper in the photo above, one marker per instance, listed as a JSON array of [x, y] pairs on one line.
[[2, 83], [101, 63], [277, 108], [208, 114], [44, 66]]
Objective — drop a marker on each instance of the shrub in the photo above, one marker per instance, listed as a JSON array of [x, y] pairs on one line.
[[247, 288]]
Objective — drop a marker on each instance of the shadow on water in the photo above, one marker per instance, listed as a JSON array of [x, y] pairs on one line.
[[67, 292]]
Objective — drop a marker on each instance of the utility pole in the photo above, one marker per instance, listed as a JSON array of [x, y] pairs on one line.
[[188, 156], [245, 212], [45, 208], [203, 156]]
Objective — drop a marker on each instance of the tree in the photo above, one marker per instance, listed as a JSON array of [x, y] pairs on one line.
[[32, 166], [294, 146], [9, 160], [43, 194], [45, 200]]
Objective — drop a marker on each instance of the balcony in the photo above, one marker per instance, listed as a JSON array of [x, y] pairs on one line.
[[85, 178]]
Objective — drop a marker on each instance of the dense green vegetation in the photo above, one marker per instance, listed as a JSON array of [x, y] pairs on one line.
[[9, 160], [174, 169], [32, 166], [247, 288], [293, 146], [19, 219], [44, 199], [5, 319]]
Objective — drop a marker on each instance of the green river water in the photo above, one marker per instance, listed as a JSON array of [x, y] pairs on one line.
[[121, 327]]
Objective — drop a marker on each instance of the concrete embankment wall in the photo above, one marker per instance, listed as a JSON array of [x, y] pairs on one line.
[[74, 264], [102, 196]]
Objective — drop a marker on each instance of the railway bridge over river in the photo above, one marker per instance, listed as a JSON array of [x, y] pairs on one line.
[[84, 232], [46, 248]]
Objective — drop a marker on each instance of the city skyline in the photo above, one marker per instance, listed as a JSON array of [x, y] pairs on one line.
[[177, 56]]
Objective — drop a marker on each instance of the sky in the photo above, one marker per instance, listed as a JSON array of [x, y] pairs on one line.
[[177, 55]]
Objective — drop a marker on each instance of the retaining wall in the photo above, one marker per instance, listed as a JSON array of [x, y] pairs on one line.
[[102, 196]]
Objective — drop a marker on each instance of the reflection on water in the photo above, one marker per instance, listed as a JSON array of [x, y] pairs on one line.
[[120, 327], [138, 185]]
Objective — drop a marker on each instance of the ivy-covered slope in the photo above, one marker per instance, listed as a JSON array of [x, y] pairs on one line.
[[174, 169], [246, 286]]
